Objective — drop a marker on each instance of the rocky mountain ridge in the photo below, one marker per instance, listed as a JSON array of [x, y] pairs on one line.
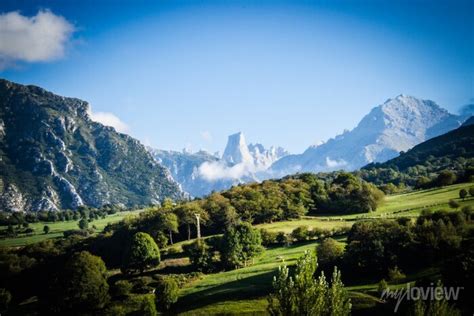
[[53, 156]]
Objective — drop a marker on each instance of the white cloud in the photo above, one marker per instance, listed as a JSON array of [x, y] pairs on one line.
[[335, 163], [110, 119], [207, 136], [42, 37], [213, 171]]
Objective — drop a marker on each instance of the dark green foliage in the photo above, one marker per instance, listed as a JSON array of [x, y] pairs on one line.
[[416, 167], [81, 285], [300, 233], [200, 255], [142, 253], [268, 237], [462, 193], [471, 191], [83, 224], [239, 245], [143, 305], [121, 288], [329, 253], [454, 204], [5, 298], [167, 292], [46, 229]]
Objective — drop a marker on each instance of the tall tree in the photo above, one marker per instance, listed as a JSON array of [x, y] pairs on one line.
[[142, 253]]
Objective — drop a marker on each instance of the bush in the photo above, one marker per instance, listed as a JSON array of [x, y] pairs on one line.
[[167, 292], [300, 233], [454, 204], [122, 288], [268, 238], [462, 193], [240, 244], [382, 287], [141, 254], [329, 252], [200, 255], [81, 284]]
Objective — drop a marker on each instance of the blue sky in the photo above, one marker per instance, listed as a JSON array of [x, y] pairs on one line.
[[188, 74]]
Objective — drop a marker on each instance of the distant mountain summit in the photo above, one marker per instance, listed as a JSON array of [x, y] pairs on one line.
[[396, 125], [236, 150], [202, 173], [53, 156]]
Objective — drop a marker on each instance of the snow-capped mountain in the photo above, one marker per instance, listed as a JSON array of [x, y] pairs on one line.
[[237, 150], [396, 125], [201, 173]]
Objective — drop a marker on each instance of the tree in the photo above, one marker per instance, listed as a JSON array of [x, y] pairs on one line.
[[122, 288], [46, 229], [240, 244], [81, 284], [446, 177], [462, 193], [187, 214], [302, 294], [471, 191], [300, 233], [83, 224], [454, 204], [167, 292], [329, 252], [142, 253], [200, 255]]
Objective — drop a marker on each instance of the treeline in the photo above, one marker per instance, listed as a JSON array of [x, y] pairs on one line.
[[420, 166], [20, 218]]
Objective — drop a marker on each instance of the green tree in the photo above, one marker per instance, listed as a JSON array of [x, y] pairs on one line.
[[471, 191], [240, 244], [302, 294], [462, 193], [142, 253], [187, 214], [81, 284], [122, 288], [454, 204], [446, 177], [167, 292], [83, 224], [46, 229], [329, 252], [300, 233], [200, 255]]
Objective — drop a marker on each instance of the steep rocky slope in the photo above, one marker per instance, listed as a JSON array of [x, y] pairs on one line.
[[53, 156]]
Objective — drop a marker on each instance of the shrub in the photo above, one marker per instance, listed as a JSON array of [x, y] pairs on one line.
[[329, 252], [167, 292], [122, 288], [300, 233], [462, 193], [200, 255], [268, 237], [142, 253]]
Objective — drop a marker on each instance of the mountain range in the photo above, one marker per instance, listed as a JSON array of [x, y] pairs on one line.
[[390, 128], [201, 173], [53, 156]]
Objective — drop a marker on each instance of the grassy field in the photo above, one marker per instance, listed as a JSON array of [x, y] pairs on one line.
[[238, 291], [411, 204], [57, 229], [311, 222]]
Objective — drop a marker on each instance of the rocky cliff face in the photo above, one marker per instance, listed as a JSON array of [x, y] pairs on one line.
[[53, 156], [397, 125], [201, 173]]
